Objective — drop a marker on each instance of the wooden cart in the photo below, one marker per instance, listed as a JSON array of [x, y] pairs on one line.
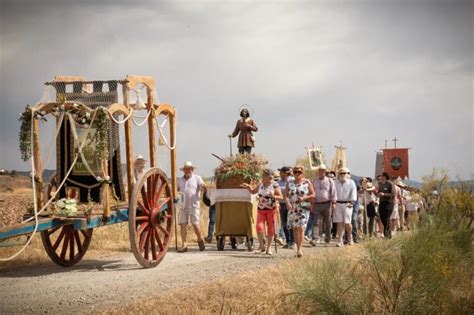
[[147, 205]]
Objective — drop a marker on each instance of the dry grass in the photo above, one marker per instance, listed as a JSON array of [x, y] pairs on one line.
[[265, 291]]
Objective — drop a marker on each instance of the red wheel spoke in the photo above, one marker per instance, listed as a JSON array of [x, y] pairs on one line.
[[158, 239], [142, 208], [65, 245], [158, 194], [163, 230], [149, 191], [142, 218], [147, 245], [153, 245], [154, 182], [141, 234], [162, 203], [59, 239], [71, 245], [145, 198], [78, 242]]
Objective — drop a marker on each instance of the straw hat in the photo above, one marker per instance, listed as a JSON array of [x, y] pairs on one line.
[[344, 170], [370, 187], [322, 167], [188, 164], [139, 157], [401, 184]]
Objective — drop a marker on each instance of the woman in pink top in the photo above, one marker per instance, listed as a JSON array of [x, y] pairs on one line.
[[268, 195]]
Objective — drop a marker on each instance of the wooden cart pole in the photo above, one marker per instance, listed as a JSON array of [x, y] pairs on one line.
[[128, 145], [151, 125], [173, 153], [173, 173], [37, 164]]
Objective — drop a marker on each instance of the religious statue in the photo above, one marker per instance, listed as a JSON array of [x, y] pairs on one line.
[[245, 128]]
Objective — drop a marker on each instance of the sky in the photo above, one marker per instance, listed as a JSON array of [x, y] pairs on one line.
[[313, 72]]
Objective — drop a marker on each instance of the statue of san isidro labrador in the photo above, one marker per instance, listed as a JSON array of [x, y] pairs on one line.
[[245, 126]]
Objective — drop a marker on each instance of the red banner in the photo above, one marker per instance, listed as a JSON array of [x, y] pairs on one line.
[[396, 162]]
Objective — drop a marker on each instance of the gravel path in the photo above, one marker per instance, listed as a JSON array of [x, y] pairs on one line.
[[116, 279]]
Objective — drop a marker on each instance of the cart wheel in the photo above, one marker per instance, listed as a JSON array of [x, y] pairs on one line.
[[249, 242], [220, 243], [150, 217], [65, 245], [233, 242]]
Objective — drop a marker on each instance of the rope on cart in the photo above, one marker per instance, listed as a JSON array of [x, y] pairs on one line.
[[144, 120], [162, 135], [120, 122], [35, 201]]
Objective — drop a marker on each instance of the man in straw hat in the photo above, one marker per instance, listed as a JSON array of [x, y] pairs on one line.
[[190, 185], [139, 166], [324, 202], [346, 192]]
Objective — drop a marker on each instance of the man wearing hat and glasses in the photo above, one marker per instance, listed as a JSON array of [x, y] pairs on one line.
[[190, 185], [346, 192], [324, 202]]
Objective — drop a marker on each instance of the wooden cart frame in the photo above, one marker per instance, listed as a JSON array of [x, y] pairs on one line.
[[151, 197]]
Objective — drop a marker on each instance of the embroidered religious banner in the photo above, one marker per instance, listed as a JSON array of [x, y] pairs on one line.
[[396, 162], [315, 157]]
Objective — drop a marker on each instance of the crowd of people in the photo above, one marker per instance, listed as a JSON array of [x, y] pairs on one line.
[[293, 209]]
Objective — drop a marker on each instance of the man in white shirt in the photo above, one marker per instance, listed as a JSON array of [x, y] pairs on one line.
[[346, 192], [190, 185]]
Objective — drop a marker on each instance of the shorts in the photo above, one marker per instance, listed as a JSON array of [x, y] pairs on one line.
[[342, 213], [186, 213], [266, 216], [395, 215]]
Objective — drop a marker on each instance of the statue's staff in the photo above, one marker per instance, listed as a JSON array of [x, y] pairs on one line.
[[230, 144]]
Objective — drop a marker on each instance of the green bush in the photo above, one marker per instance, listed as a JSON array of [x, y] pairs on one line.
[[427, 271], [330, 284]]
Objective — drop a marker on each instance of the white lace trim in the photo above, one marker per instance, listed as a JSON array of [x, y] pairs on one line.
[[231, 194]]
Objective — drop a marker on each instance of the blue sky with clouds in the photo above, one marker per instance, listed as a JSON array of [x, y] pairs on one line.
[[315, 72]]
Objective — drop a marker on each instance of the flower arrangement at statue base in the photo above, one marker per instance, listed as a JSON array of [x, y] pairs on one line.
[[66, 207], [238, 169]]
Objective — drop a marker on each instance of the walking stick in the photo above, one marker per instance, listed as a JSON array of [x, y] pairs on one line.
[[365, 214], [274, 228]]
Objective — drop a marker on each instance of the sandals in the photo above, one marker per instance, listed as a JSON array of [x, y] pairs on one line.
[[183, 249], [201, 245]]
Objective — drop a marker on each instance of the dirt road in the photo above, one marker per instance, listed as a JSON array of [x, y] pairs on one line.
[[98, 283]]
